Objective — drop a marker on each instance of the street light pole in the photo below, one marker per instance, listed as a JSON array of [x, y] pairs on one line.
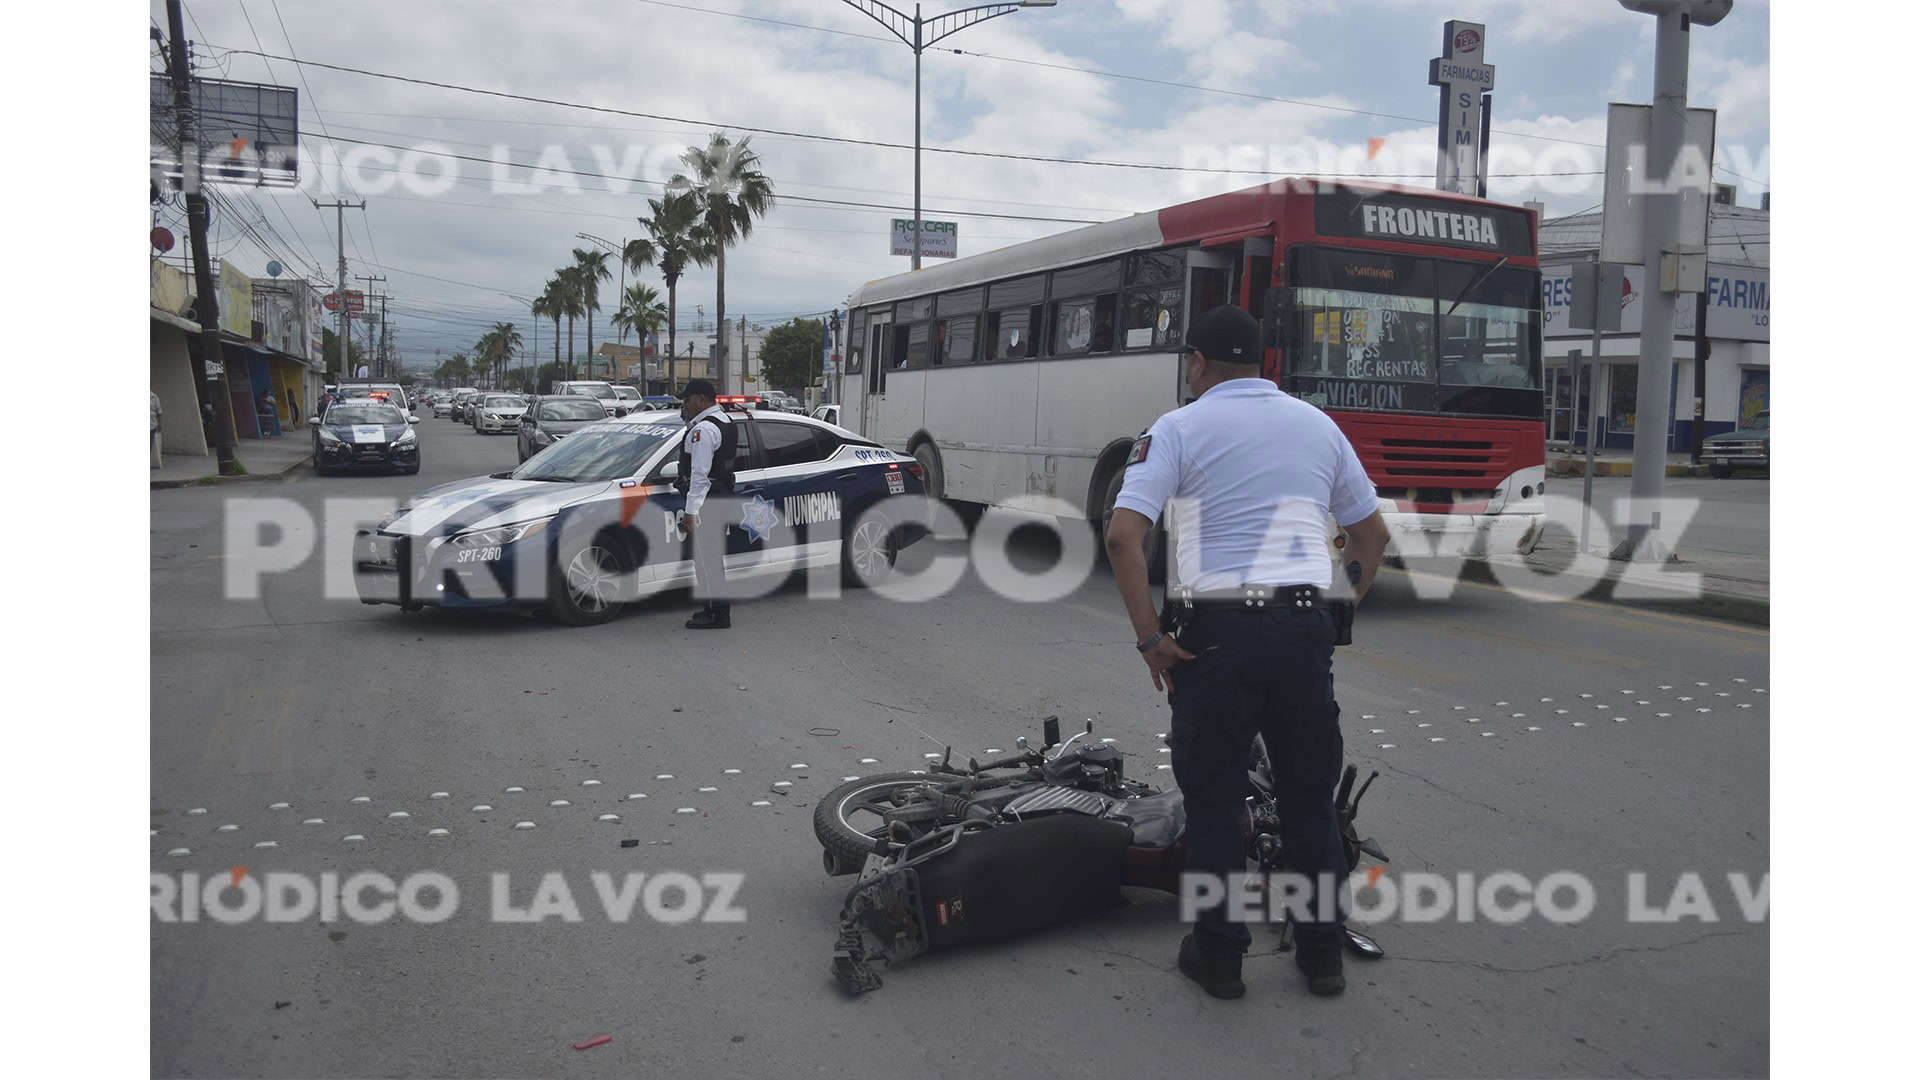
[[924, 33]]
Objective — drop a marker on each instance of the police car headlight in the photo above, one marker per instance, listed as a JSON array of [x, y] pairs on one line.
[[328, 438], [503, 535], [406, 436]]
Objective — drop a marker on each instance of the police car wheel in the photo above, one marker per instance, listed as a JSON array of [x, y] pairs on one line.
[[867, 551], [585, 586]]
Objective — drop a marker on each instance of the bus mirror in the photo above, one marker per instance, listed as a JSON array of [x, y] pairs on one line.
[[1279, 310]]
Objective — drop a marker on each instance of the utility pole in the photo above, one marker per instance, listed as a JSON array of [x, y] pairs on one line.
[[346, 316], [1702, 350], [207, 304], [379, 370], [1660, 234]]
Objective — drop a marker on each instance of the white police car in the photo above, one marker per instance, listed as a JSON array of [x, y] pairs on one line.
[[591, 522]]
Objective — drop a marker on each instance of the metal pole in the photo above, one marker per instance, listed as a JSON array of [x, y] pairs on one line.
[[1654, 395], [346, 317], [917, 26], [207, 303]]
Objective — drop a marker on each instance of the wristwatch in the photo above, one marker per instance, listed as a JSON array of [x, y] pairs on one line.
[[1145, 646]]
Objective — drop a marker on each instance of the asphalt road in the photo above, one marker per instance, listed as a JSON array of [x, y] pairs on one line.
[[1510, 735]]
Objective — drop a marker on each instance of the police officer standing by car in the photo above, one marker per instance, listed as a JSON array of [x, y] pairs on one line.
[[1253, 475], [706, 468]]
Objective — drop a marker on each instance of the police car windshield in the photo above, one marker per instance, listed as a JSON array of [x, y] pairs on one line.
[[368, 413], [602, 452]]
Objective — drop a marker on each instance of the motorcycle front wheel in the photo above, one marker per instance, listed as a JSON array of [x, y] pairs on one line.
[[848, 820]]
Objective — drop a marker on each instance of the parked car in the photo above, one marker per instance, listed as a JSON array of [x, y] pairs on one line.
[[496, 412], [550, 419], [1744, 447], [629, 396], [828, 413]]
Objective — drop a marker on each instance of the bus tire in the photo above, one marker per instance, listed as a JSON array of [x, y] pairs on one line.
[[929, 460], [1156, 542]]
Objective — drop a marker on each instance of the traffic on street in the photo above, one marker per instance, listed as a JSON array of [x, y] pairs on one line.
[[1089, 538]]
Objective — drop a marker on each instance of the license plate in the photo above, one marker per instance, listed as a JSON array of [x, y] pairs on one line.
[[478, 555], [896, 484]]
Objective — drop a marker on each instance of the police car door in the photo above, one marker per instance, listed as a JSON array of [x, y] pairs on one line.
[[802, 489]]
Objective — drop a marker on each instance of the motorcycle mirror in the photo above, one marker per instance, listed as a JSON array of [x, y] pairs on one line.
[[1362, 945], [1051, 728], [1020, 741]]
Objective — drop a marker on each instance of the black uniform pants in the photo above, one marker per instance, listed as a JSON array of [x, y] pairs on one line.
[[1270, 671]]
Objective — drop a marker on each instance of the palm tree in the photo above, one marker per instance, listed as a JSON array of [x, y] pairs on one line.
[[552, 304], [572, 304], [732, 192], [592, 263], [505, 339], [677, 238], [640, 311]]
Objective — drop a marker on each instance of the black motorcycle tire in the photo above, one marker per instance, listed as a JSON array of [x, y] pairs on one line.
[[830, 827]]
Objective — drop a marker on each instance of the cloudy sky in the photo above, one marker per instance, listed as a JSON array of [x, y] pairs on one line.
[[1269, 88]]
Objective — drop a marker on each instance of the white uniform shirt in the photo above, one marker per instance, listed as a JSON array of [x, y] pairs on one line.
[[701, 440], [1254, 473]]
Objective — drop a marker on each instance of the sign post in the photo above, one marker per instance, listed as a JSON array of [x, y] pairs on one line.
[[1595, 302], [1462, 76]]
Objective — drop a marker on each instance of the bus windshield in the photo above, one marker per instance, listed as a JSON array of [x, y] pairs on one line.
[[1397, 333]]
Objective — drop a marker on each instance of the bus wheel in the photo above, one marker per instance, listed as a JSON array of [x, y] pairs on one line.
[[929, 461], [1156, 542]]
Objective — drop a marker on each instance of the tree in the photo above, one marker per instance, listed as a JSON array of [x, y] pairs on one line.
[[592, 266], [677, 238], [732, 193], [504, 339], [572, 304], [330, 349], [551, 304], [640, 311], [790, 357]]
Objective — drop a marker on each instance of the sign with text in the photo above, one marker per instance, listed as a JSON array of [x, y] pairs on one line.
[[938, 239], [1463, 76], [1410, 219], [1739, 303]]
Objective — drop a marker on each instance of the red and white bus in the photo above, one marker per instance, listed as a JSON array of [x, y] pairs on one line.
[[1413, 317]]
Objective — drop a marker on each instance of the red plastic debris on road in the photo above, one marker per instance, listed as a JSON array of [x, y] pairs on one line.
[[593, 1042]]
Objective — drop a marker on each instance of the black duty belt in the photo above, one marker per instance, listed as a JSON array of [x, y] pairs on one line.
[[1253, 598]]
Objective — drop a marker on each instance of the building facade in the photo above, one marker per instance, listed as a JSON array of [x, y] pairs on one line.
[[1730, 386]]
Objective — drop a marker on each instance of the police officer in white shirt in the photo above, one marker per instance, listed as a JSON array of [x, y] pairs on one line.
[[1253, 475], [706, 468]]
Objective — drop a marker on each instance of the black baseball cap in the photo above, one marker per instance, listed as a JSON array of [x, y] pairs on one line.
[[698, 388], [1226, 334]]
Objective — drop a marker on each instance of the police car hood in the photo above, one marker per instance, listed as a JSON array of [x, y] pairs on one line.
[[367, 433], [484, 501]]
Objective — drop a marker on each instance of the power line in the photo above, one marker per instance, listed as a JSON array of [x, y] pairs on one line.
[[1124, 76], [882, 144]]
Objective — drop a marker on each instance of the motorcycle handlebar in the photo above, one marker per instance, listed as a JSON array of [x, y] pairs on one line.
[[1008, 762]]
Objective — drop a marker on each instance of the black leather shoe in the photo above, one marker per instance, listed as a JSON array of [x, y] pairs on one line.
[[705, 619], [1217, 975], [1321, 964]]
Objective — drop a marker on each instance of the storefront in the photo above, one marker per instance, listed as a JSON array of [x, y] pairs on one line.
[[1735, 370]]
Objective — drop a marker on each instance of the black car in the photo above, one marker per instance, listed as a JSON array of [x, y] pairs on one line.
[[362, 434], [550, 419]]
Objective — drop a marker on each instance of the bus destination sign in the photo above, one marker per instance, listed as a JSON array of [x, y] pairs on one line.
[[1410, 219]]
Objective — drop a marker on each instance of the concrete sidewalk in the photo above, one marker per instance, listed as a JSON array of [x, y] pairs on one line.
[[263, 459]]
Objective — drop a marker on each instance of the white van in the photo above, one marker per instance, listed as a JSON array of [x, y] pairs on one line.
[[599, 391]]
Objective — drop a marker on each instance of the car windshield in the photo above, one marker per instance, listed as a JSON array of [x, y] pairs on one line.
[[505, 401], [606, 452], [571, 410], [367, 413], [602, 391], [626, 393]]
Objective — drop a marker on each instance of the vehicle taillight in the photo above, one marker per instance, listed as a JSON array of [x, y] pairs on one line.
[[918, 473]]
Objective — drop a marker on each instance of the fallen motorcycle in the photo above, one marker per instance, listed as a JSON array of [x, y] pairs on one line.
[[992, 850]]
